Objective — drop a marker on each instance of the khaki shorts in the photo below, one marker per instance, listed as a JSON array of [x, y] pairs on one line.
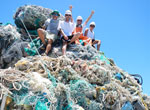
[[52, 36]]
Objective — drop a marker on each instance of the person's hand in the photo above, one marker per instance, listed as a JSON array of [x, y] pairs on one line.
[[84, 41], [92, 12], [28, 46], [65, 37], [70, 7]]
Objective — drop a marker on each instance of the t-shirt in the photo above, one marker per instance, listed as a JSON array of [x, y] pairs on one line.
[[90, 34], [52, 26], [67, 27]]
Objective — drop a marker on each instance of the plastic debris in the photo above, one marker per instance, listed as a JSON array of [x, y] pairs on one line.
[[8, 34], [118, 76], [14, 53], [84, 79], [138, 105], [1, 24], [127, 106], [33, 16], [31, 49]]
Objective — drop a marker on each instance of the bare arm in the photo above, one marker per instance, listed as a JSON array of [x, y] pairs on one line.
[[86, 32], [70, 8], [43, 27], [85, 23]]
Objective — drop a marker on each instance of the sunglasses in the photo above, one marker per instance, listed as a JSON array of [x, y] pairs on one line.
[[67, 15], [55, 14], [92, 25], [79, 20]]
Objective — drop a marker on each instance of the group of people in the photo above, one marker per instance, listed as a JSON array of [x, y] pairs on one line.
[[69, 31]]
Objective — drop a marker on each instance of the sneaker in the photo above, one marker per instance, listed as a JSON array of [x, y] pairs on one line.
[[44, 54]]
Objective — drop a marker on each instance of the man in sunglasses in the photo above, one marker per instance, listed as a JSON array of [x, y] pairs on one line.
[[66, 28], [49, 31], [89, 32]]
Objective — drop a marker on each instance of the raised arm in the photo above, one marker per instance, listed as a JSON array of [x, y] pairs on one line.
[[70, 8], [85, 23]]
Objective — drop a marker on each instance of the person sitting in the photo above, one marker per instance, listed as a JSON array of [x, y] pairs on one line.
[[66, 28], [49, 31], [80, 27], [89, 32]]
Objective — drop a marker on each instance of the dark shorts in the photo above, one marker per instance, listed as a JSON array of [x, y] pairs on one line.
[[93, 40], [69, 38]]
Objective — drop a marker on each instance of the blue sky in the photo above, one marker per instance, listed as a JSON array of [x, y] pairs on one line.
[[123, 26]]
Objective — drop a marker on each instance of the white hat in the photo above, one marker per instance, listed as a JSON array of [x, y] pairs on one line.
[[68, 12], [79, 18], [92, 23]]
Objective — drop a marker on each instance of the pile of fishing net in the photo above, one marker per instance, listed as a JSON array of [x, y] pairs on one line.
[[32, 16], [9, 36], [43, 83], [84, 79]]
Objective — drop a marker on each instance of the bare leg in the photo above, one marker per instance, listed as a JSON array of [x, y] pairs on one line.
[[64, 48], [41, 35], [75, 37], [87, 41], [49, 45], [98, 42], [98, 45]]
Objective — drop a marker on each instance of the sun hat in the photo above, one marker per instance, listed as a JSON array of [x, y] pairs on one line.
[[68, 12], [55, 11], [79, 18], [92, 23]]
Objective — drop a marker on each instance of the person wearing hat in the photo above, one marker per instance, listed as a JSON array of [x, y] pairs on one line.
[[66, 28], [89, 32], [49, 31], [80, 27]]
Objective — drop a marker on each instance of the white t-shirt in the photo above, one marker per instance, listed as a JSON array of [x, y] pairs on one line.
[[90, 34], [67, 27]]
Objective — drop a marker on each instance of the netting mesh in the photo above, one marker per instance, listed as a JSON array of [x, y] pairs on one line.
[[84, 79], [33, 16], [67, 84]]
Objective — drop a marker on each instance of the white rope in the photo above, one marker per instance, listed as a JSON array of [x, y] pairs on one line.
[[30, 37], [43, 62], [34, 45], [4, 101]]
